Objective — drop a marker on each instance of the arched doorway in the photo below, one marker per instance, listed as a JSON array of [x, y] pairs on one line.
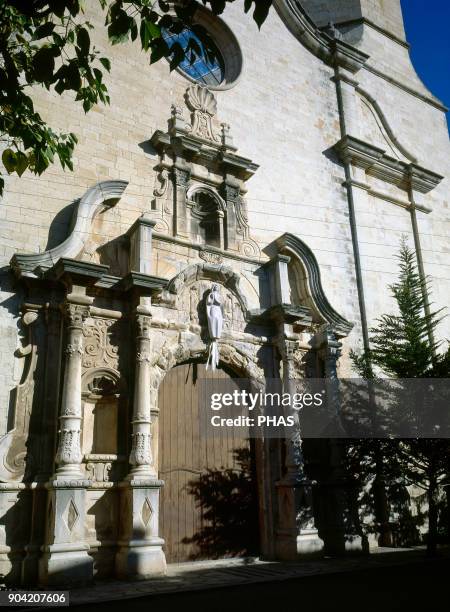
[[208, 506]]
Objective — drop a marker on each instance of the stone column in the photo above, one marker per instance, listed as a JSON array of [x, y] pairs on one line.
[[140, 554], [68, 456], [65, 556], [141, 458], [339, 524], [45, 441], [140, 235], [222, 229], [231, 194]]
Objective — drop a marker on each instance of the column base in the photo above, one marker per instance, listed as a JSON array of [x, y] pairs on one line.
[[65, 566], [286, 545], [30, 565], [65, 558], [309, 543], [355, 544], [10, 566], [140, 555], [141, 560]]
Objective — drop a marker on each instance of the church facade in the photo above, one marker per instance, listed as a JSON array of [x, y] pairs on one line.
[[285, 173]]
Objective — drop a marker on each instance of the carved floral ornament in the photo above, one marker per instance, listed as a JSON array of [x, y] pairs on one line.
[[101, 340]]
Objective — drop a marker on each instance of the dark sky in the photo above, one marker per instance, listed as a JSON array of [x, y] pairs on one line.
[[427, 25]]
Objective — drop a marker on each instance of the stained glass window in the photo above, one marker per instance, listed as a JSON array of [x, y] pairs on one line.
[[201, 67]]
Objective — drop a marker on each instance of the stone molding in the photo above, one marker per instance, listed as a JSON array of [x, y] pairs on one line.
[[329, 50], [102, 196], [377, 163], [288, 243], [99, 381], [208, 271], [202, 103], [242, 362], [375, 107], [14, 453]]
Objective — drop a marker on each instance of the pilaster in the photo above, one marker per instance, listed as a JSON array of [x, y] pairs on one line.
[[339, 523], [181, 174], [65, 558], [140, 553], [296, 532]]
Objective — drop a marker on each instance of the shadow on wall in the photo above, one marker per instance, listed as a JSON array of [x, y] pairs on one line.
[[61, 225], [228, 503]]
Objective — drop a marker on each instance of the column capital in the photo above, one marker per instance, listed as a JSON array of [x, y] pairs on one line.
[[75, 314]]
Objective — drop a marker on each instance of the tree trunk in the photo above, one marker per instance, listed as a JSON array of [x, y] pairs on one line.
[[432, 513], [382, 509]]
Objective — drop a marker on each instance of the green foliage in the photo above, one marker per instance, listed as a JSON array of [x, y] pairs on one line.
[[402, 344], [48, 43]]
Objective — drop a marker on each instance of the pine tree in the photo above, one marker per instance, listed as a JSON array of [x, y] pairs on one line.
[[403, 346]]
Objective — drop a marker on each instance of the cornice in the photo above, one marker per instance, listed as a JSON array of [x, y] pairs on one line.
[[333, 52], [368, 22], [429, 99], [143, 283], [376, 162], [199, 150], [78, 272]]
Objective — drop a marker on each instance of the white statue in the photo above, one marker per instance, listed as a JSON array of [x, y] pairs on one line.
[[215, 324]]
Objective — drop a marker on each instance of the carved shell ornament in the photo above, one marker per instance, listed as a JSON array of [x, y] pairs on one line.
[[203, 105], [199, 98]]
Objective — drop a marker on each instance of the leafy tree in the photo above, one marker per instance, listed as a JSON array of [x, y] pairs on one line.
[[48, 43], [403, 346]]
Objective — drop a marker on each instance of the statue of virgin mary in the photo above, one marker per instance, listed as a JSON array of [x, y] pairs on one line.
[[215, 324]]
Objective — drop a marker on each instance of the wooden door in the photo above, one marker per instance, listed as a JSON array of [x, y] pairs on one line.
[[208, 506]]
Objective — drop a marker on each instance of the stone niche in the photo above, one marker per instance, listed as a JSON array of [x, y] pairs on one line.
[[105, 410]]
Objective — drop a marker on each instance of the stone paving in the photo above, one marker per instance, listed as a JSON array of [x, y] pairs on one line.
[[200, 575]]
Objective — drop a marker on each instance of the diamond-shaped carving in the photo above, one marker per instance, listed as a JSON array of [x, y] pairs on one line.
[[147, 512], [71, 515]]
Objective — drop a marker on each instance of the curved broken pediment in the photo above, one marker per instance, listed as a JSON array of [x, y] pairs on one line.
[[101, 196], [308, 284]]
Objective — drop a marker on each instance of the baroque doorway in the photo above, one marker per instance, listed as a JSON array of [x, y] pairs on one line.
[[208, 506]]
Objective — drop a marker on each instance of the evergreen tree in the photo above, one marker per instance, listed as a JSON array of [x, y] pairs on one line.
[[403, 346]]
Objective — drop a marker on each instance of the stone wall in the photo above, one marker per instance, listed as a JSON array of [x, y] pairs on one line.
[[284, 116]]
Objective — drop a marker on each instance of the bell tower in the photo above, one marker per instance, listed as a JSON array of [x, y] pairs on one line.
[[349, 15]]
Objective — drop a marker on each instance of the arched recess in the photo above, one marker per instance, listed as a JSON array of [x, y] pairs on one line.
[[105, 419], [169, 356], [307, 284], [208, 216], [214, 272]]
